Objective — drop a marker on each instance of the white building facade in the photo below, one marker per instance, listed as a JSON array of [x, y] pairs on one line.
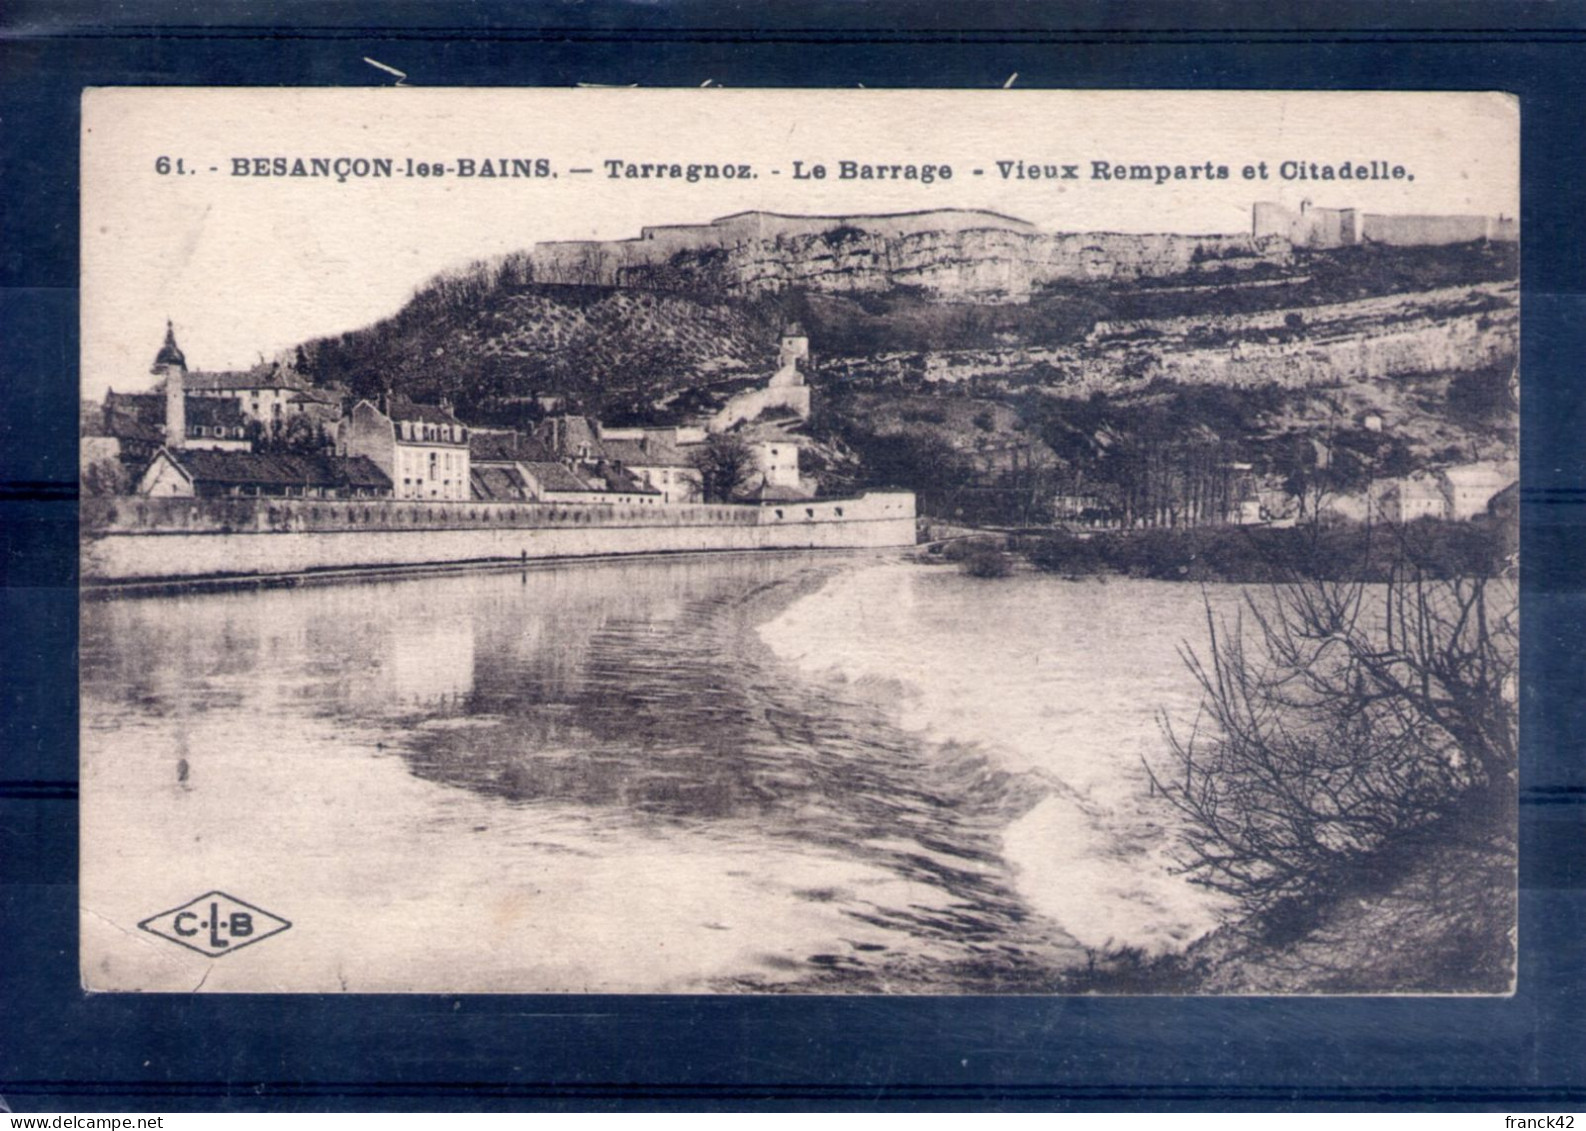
[[422, 448]]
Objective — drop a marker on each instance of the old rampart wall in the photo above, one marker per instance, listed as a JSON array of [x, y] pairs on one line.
[[134, 539]]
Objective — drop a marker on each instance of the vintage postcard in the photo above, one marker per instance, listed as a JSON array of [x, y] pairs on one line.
[[771, 542]]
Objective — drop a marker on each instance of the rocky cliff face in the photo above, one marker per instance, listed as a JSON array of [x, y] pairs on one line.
[[1449, 330], [952, 256]]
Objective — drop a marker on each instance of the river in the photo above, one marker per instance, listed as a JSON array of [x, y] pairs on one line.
[[753, 773]]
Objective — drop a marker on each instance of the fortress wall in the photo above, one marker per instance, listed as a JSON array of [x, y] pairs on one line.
[[747, 406], [993, 263], [1412, 231], [177, 539]]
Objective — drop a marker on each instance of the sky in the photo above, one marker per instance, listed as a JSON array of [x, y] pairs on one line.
[[248, 266]]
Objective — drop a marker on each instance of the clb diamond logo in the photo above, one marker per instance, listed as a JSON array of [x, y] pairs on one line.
[[215, 924]]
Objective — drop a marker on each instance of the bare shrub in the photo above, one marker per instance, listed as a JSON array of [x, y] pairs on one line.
[[1339, 720], [989, 562]]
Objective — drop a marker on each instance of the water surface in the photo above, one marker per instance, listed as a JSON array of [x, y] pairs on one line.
[[782, 772]]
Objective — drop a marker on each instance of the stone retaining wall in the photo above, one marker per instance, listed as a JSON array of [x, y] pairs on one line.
[[134, 539]]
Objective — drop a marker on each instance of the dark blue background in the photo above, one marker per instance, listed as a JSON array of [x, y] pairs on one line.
[[62, 1049]]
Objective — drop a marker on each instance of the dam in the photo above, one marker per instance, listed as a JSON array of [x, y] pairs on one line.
[[242, 541]]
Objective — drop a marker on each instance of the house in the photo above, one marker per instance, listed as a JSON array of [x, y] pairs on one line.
[[1411, 497], [1469, 488], [138, 421], [217, 474], [509, 466], [134, 426], [496, 457], [778, 463], [499, 484], [619, 484], [268, 394], [488, 446], [125, 434], [570, 437], [654, 457], [553, 482], [423, 449], [320, 407], [1245, 509]]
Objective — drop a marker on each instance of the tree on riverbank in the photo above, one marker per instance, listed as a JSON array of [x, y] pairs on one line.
[[725, 463], [1344, 730]]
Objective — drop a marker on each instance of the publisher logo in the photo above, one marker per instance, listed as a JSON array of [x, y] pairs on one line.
[[215, 924]]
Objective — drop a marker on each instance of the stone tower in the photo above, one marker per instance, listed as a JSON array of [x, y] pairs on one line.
[[794, 347], [172, 366]]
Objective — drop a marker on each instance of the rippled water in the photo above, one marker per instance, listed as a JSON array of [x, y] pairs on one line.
[[809, 772]]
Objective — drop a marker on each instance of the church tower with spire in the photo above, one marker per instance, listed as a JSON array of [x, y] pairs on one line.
[[172, 366]]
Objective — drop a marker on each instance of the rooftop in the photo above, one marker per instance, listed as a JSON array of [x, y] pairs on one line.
[[254, 469], [506, 447], [616, 479], [141, 416], [775, 493], [554, 477], [499, 484], [400, 408], [629, 452], [170, 353], [259, 377]]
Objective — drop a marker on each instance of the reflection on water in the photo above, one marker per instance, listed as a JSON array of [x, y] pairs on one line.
[[598, 777]]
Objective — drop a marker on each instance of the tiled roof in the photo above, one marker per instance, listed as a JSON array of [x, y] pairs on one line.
[[404, 409], [507, 447], [555, 477], [145, 406], [570, 435], [261, 377], [124, 425], [625, 451], [774, 493], [141, 416], [498, 484], [254, 469], [661, 451], [618, 480], [655, 450]]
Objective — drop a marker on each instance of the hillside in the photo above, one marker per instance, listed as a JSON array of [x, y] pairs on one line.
[[1094, 344], [495, 348]]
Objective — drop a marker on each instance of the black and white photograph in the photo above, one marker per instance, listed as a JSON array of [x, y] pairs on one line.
[[665, 541]]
